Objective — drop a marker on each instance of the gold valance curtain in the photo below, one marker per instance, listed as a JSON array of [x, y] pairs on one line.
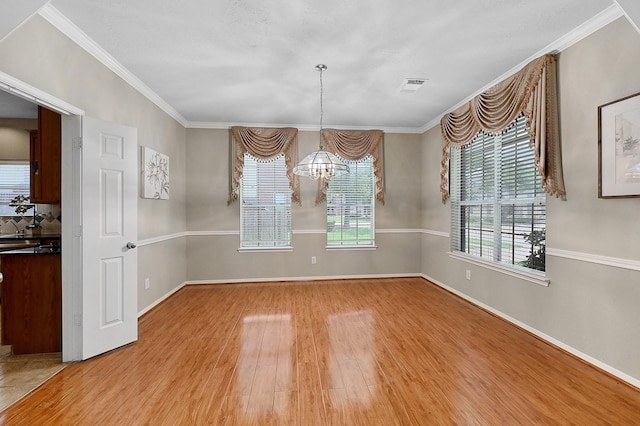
[[354, 145], [264, 144], [532, 92]]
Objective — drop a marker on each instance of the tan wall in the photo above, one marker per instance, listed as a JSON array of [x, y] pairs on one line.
[[165, 266], [216, 257], [588, 306], [14, 144], [74, 76], [19, 123]]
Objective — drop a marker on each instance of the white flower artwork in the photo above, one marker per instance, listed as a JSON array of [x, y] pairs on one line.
[[156, 174]]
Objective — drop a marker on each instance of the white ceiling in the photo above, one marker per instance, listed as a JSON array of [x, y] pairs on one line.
[[14, 13], [252, 62]]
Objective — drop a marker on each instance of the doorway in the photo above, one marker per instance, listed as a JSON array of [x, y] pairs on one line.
[[18, 122], [20, 99], [98, 302]]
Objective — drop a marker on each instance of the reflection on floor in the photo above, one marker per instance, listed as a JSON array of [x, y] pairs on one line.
[[21, 374]]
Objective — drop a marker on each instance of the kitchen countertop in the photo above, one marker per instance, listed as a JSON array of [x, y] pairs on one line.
[[11, 244], [29, 237], [30, 251]]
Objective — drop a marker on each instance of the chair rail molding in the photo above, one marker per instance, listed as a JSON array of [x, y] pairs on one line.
[[615, 262]]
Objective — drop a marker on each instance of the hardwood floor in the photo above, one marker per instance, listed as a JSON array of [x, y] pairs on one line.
[[361, 352]]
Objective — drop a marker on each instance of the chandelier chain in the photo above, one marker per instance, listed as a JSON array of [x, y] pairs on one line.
[[321, 105], [321, 164]]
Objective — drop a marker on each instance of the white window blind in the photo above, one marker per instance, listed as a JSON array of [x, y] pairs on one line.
[[14, 180], [265, 204], [351, 206], [498, 206]]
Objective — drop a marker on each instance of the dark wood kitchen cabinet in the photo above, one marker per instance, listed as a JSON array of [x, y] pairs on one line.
[[32, 302], [45, 155]]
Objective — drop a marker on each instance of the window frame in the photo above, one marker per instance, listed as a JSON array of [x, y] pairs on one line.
[[269, 244], [496, 201], [353, 244]]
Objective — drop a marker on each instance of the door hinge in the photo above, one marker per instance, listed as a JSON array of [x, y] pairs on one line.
[[77, 142], [77, 231], [78, 320]]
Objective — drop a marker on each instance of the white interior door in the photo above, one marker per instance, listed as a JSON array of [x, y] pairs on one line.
[[109, 234]]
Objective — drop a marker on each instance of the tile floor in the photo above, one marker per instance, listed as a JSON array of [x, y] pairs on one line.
[[20, 374]]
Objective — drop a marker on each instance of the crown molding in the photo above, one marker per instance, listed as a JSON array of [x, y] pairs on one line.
[[64, 25], [300, 127], [582, 31], [68, 28], [631, 10], [22, 18]]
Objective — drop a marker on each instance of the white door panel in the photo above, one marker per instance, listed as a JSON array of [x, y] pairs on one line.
[[109, 204]]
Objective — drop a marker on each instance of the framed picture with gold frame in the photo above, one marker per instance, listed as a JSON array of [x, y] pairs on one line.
[[619, 148]]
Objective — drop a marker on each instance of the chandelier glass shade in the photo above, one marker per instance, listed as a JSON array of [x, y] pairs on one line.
[[321, 164]]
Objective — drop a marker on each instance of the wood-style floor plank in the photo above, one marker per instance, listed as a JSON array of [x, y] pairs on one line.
[[351, 352]]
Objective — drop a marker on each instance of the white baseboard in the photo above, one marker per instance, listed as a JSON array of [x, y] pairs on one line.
[[160, 300], [591, 360], [308, 278]]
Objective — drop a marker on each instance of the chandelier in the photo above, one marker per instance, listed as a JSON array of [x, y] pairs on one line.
[[321, 164]]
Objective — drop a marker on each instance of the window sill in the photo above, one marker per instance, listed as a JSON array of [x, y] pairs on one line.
[[264, 249], [534, 277], [331, 248]]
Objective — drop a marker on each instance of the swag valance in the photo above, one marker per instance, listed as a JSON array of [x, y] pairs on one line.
[[532, 92], [354, 145], [264, 144]]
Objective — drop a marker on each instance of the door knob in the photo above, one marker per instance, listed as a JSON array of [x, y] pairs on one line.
[[131, 245], [1, 277]]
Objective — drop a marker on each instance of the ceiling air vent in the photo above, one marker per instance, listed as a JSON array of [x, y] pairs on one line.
[[412, 84]]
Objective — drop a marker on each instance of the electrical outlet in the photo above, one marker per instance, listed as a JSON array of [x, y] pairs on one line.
[[313, 260], [468, 274], [146, 283]]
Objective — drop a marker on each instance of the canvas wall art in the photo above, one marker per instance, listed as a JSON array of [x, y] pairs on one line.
[[155, 169]]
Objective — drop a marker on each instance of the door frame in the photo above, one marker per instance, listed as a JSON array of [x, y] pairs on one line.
[[70, 201], [71, 238]]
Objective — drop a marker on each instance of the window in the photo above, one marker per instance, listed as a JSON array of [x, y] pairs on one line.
[[498, 206], [265, 204], [350, 206], [14, 180]]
